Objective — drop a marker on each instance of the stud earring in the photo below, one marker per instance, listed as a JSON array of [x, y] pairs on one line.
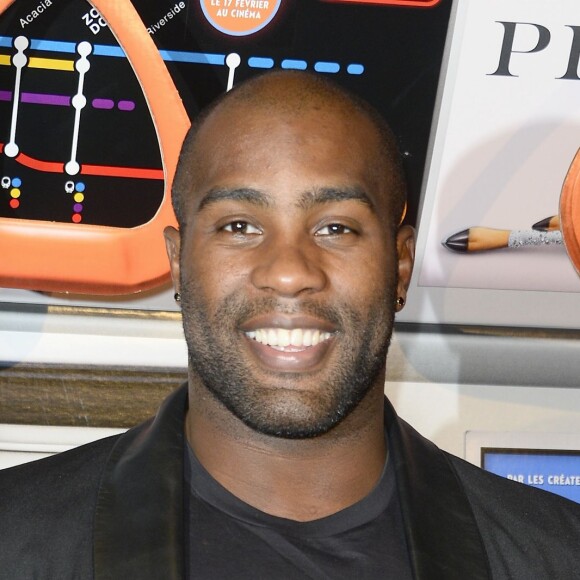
[[400, 302], [177, 297]]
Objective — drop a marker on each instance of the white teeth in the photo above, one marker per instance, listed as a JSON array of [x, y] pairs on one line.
[[272, 337], [296, 337], [299, 337], [283, 337]]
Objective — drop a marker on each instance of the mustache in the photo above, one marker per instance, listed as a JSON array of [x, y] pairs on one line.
[[238, 308], [243, 309]]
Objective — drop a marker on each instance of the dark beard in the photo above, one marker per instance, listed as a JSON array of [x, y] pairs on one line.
[[281, 410]]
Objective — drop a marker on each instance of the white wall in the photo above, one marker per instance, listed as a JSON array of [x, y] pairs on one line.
[[444, 412]]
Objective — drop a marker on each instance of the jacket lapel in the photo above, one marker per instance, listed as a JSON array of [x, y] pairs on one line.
[[138, 530], [442, 535]]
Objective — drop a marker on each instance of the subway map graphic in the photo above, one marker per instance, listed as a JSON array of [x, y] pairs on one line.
[[88, 149], [77, 139]]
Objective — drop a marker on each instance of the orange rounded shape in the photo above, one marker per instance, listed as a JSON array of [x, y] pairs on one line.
[[570, 211], [91, 259]]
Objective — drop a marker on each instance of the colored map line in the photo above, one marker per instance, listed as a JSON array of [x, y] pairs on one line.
[[104, 170], [53, 45], [193, 57], [41, 44], [66, 47], [51, 63], [65, 101], [46, 166], [190, 57], [45, 63], [44, 99], [110, 171]]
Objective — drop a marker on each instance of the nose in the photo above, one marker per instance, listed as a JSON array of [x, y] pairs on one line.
[[289, 268]]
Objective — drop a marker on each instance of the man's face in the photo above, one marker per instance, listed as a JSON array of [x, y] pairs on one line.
[[288, 268]]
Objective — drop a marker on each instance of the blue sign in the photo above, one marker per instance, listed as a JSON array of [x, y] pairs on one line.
[[557, 471]]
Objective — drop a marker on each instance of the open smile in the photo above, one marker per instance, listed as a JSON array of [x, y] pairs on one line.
[[289, 340], [290, 349]]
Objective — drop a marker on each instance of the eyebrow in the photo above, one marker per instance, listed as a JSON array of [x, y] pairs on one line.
[[324, 195], [308, 199], [249, 195]]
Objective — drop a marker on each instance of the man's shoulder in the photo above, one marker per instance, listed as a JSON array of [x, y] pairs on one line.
[[62, 471], [54, 488], [518, 520], [47, 508]]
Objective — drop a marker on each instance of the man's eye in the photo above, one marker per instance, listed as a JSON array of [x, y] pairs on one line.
[[241, 227], [334, 230]]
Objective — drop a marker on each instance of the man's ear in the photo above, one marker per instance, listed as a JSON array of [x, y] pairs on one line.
[[406, 253], [172, 244]]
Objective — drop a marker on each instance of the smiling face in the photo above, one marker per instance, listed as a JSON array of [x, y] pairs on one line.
[[288, 266]]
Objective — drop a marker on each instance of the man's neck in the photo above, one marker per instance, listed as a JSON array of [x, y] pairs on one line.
[[302, 480]]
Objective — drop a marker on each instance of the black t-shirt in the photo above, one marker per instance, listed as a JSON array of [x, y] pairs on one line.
[[231, 540]]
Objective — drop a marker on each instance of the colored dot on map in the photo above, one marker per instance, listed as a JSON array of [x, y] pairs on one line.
[[260, 62], [76, 218], [14, 203], [16, 181], [290, 63], [103, 103], [126, 105], [78, 197], [80, 186], [355, 69], [15, 193], [326, 67]]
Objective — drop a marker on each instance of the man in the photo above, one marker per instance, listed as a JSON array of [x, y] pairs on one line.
[[289, 265]]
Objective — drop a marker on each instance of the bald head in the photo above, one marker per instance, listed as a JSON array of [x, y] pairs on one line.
[[290, 95]]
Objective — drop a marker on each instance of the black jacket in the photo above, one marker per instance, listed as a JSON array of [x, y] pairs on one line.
[[113, 510]]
